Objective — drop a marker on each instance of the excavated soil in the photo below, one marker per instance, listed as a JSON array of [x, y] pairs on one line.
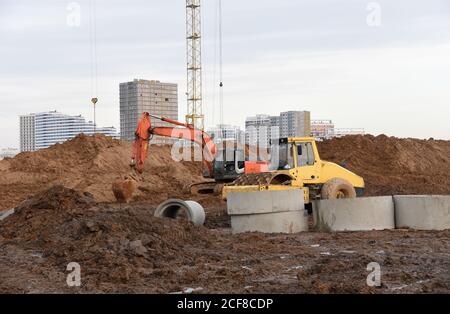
[[92, 164], [64, 212], [393, 166]]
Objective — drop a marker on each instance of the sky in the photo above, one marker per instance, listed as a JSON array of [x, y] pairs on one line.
[[379, 65]]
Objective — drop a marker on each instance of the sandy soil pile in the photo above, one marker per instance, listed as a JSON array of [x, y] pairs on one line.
[[393, 166], [91, 164], [61, 225], [125, 249]]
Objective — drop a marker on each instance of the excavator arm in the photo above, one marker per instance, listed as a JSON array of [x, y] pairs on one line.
[[187, 132]]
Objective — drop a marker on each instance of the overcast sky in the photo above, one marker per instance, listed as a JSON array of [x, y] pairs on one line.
[[386, 70]]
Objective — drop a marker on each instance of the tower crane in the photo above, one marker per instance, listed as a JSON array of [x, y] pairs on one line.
[[216, 167], [194, 116]]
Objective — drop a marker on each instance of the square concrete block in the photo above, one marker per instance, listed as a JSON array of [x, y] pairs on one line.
[[422, 212], [245, 203], [280, 222], [354, 214]]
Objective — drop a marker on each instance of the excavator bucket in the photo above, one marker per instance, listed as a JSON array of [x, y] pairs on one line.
[[124, 189]]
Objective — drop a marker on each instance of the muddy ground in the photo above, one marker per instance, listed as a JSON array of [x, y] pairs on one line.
[[122, 248]]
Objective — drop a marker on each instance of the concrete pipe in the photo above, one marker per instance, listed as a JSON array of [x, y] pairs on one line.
[[178, 209], [5, 214]]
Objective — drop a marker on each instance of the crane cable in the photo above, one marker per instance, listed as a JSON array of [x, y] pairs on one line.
[[214, 72], [94, 60], [220, 63]]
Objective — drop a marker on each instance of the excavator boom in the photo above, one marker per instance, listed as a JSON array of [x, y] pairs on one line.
[[123, 189], [205, 141], [171, 121], [188, 132]]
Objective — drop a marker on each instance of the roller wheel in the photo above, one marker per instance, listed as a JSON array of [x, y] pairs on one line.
[[338, 188]]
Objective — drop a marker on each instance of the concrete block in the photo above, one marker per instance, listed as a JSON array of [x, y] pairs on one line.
[[262, 202], [422, 212], [356, 214], [280, 222]]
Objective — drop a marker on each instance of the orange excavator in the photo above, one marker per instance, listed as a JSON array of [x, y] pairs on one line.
[[144, 131], [217, 165]]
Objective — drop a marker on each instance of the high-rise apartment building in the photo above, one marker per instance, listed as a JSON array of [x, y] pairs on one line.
[[260, 129], [274, 127], [155, 97], [295, 124], [27, 133], [42, 130], [225, 132]]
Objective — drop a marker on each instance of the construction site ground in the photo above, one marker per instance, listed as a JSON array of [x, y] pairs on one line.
[[65, 212]]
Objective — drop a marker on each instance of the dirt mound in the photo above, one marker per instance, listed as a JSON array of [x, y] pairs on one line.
[[62, 225], [91, 164], [58, 198], [391, 165]]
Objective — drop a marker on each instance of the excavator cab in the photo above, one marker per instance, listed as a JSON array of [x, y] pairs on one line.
[[227, 163]]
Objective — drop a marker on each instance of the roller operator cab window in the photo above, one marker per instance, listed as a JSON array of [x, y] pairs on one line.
[[305, 154], [281, 156]]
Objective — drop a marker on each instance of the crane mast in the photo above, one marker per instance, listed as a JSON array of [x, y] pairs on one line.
[[194, 117]]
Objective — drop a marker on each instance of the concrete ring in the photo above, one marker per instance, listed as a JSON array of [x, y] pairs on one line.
[[174, 208]]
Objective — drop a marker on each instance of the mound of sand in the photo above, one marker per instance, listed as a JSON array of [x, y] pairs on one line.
[[391, 165], [92, 164], [64, 225]]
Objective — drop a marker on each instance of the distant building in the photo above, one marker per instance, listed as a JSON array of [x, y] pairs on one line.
[[42, 130], [260, 129], [8, 152], [295, 124], [155, 97], [275, 127], [27, 133], [229, 133], [348, 131], [322, 129]]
